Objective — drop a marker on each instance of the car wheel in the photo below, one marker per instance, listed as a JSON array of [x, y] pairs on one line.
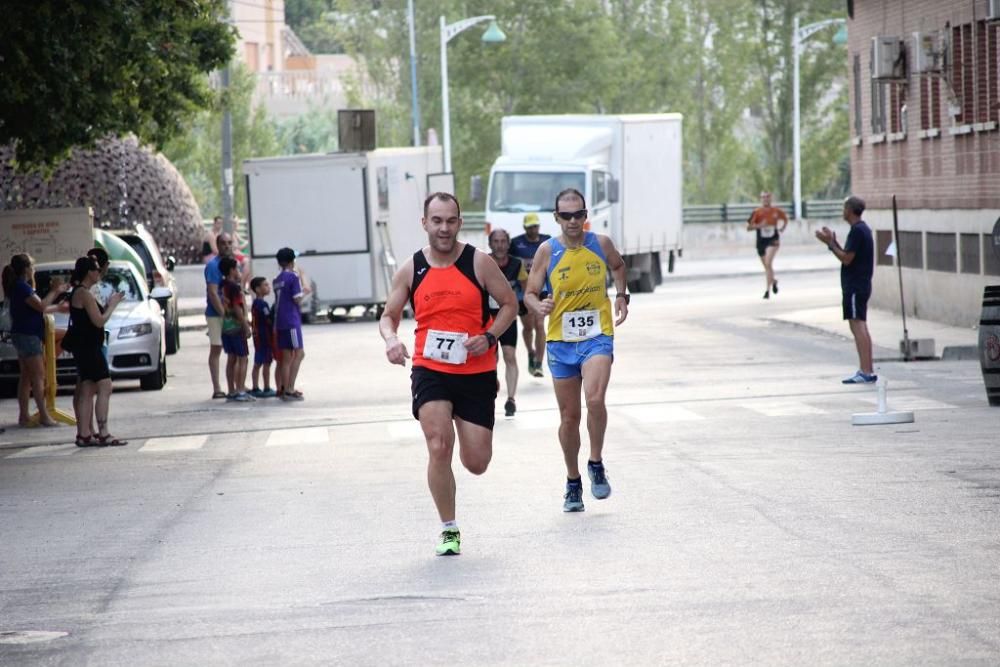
[[154, 381], [173, 336]]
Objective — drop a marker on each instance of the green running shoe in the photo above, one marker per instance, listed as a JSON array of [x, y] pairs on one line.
[[451, 543]]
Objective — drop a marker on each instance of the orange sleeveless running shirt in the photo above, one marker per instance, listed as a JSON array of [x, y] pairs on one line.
[[449, 301]]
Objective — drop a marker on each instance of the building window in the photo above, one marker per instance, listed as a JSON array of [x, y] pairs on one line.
[[858, 126], [987, 76], [961, 76], [941, 252], [883, 238], [897, 107], [969, 253], [991, 263], [878, 108], [910, 250], [930, 102]]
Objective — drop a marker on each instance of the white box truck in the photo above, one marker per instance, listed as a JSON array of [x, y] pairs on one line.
[[628, 167], [345, 215]]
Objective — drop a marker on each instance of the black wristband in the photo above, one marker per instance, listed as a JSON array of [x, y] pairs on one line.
[[491, 340], [623, 295]]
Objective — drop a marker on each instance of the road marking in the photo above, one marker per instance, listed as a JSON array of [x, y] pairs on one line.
[[298, 436], [656, 414], [44, 451], [781, 408], [909, 402], [175, 443]]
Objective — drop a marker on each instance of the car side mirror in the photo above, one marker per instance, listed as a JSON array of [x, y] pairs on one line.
[[160, 293], [171, 262], [476, 188], [613, 195]]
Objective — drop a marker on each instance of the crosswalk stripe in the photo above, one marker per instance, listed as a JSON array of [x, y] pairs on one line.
[[174, 443], [408, 430], [44, 451], [298, 436], [655, 414], [909, 402], [780, 408]]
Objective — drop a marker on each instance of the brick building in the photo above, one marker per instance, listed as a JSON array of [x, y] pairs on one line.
[[925, 124]]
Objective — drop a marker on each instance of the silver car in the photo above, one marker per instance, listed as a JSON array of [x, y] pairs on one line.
[[135, 332]]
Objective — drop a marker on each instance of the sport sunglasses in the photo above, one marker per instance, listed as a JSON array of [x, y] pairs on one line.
[[573, 215]]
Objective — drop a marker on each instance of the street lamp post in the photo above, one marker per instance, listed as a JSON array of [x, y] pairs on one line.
[[492, 35], [800, 35], [414, 99]]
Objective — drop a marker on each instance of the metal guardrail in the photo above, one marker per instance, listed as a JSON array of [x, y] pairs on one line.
[[819, 209]]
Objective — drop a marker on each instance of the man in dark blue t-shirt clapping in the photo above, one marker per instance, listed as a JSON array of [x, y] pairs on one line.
[[857, 264]]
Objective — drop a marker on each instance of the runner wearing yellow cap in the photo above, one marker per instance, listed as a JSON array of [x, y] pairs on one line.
[[524, 248]]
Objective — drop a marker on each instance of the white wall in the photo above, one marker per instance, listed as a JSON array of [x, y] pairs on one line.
[[953, 298]]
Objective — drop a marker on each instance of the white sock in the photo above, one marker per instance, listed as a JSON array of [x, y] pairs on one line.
[[449, 525]]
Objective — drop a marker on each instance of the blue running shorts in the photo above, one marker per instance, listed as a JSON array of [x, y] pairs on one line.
[[565, 359]]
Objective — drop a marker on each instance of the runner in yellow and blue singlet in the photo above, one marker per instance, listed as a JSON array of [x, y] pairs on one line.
[[573, 268]]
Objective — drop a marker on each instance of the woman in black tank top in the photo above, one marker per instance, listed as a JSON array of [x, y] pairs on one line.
[[87, 319]]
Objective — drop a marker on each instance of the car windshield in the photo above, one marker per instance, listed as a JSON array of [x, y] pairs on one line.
[[117, 280], [523, 191]]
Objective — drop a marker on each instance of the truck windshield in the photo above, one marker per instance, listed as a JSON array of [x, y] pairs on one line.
[[523, 191]]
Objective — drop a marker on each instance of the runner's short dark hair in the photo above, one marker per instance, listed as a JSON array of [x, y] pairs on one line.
[[570, 192], [442, 196], [285, 256], [101, 255]]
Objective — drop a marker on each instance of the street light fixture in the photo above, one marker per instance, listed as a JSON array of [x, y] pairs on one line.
[[493, 35], [800, 35]]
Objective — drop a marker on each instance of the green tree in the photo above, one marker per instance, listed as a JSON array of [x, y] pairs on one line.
[[313, 132], [197, 150], [823, 96], [77, 71], [314, 21]]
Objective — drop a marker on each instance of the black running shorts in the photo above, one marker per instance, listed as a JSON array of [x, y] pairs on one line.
[[508, 337], [763, 243], [472, 397]]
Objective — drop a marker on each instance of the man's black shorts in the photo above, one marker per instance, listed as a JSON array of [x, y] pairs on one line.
[[472, 397], [508, 337], [856, 302], [763, 243]]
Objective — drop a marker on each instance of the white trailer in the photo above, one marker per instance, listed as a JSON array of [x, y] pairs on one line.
[[629, 167], [345, 214]]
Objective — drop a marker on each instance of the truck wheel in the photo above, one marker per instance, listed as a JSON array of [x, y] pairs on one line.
[[379, 311], [670, 262], [645, 282], [155, 380], [657, 269]]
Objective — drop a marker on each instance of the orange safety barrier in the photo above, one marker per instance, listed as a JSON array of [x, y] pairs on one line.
[[49, 354]]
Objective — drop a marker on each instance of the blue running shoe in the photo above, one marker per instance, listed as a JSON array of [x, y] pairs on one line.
[[573, 498], [599, 485], [861, 378]]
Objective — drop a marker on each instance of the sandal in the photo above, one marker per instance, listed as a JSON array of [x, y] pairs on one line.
[[219, 394], [85, 441], [110, 441]]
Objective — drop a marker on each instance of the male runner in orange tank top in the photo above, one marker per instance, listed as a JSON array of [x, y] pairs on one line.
[[454, 378]]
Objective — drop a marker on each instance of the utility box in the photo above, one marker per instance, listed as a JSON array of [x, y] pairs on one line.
[[356, 130], [919, 348], [888, 58]]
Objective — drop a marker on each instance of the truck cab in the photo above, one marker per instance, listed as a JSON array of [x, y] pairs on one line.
[[627, 166]]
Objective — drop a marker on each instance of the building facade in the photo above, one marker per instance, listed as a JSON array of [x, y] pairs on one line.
[[925, 121]]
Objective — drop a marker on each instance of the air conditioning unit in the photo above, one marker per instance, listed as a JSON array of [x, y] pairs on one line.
[[888, 58], [993, 10], [928, 51]]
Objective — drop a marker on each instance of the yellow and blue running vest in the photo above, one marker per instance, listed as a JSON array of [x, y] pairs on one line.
[[577, 280]]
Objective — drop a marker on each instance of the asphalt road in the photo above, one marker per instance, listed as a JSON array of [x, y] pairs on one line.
[[749, 523]]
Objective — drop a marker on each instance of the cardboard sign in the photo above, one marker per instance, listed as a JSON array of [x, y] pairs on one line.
[[47, 234]]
